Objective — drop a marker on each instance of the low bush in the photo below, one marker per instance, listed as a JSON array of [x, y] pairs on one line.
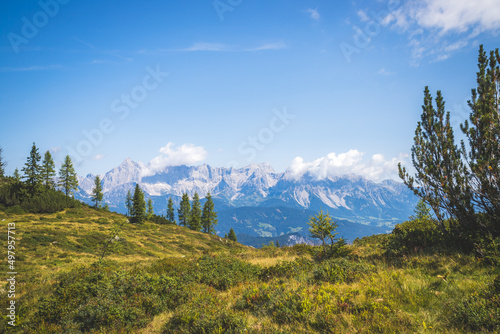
[[341, 270], [480, 311]]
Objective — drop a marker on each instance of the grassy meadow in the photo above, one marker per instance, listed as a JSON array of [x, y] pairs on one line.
[[87, 271]]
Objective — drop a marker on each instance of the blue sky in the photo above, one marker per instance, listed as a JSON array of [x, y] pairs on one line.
[[326, 86]]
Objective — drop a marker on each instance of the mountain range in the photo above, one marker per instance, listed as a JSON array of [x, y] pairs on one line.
[[259, 202]]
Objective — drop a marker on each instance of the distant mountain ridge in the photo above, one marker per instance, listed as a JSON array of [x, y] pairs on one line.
[[348, 197]]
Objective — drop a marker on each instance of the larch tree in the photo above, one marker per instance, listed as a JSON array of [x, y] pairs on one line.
[[170, 211], [32, 169], [184, 210], [150, 211], [195, 214], [97, 192], [209, 216], [322, 227], [128, 203], [138, 213], [48, 170], [67, 177]]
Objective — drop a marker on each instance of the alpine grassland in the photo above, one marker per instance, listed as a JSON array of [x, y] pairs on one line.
[[83, 270]]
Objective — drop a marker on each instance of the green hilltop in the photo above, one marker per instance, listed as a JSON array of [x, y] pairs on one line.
[[168, 279]]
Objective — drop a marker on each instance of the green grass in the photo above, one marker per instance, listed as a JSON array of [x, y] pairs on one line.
[[168, 279]]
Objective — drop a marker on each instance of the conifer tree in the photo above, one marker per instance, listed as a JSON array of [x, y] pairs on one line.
[[138, 213], [323, 228], [2, 164], [16, 175], [48, 170], [209, 216], [232, 235], [170, 211], [483, 134], [32, 170], [184, 210], [128, 203], [441, 178], [67, 177], [150, 211], [195, 214], [97, 192], [225, 235]]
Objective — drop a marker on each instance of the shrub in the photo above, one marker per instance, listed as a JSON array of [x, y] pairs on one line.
[[286, 269], [205, 313], [479, 311], [282, 305], [222, 271], [340, 270], [416, 235], [96, 297]]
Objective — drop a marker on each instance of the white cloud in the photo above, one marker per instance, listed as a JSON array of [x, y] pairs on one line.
[[314, 14], [377, 168], [207, 47], [218, 47], [428, 22], [186, 154], [98, 157], [268, 46]]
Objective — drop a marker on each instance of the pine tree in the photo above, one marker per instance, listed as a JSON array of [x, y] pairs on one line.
[[16, 175], [483, 134], [32, 170], [225, 235], [138, 213], [232, 235], [48, 170], [209, 216], [441, 178], [2, 164], [128, 203], [184, 210], [322, 227], [150, 211], [170, 211], [97, 192], [67, 177], [195, 214]]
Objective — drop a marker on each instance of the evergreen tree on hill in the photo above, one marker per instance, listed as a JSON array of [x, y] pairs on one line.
[[209, 216], [138, 214], [97, 192], [150, 211], [195, 214], [67, 177], [32, 170], [232, 235], [128, 203], [48, 170], [170, 211], [184, 210]]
